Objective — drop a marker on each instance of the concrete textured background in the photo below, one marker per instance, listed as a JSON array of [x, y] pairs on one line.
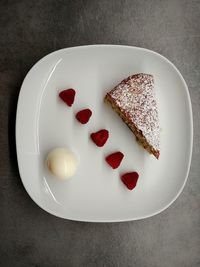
[[28, 31]]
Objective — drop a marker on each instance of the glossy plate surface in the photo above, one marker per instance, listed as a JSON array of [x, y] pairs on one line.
[[96, 192]]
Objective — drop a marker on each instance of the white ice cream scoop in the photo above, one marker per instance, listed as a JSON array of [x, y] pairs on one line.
[[62, 163]]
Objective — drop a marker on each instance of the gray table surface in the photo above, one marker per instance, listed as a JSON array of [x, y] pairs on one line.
[[30, 30]]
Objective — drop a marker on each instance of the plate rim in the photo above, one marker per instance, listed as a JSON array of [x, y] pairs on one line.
[[190, 144]]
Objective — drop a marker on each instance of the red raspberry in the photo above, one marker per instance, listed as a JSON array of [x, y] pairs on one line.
[[100, 137], [68, 96], [84, 115], [130, 179], [115, 159]]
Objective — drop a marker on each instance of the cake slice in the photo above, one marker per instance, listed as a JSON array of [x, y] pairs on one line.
[[134, 100]]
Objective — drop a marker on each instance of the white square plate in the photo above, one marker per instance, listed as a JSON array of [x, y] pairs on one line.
[[96, 192]]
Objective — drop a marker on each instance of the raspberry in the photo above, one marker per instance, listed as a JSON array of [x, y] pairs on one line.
[[68, 96], [84, 115], [115, 159], [130, 179], [100, 137]]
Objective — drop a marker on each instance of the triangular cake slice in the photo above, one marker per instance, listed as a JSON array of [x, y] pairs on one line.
[[134, 100]]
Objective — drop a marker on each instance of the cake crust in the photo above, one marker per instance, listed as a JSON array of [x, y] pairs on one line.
[[135, 102]]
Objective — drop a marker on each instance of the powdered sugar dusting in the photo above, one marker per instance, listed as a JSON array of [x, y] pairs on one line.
[[135, 96]]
